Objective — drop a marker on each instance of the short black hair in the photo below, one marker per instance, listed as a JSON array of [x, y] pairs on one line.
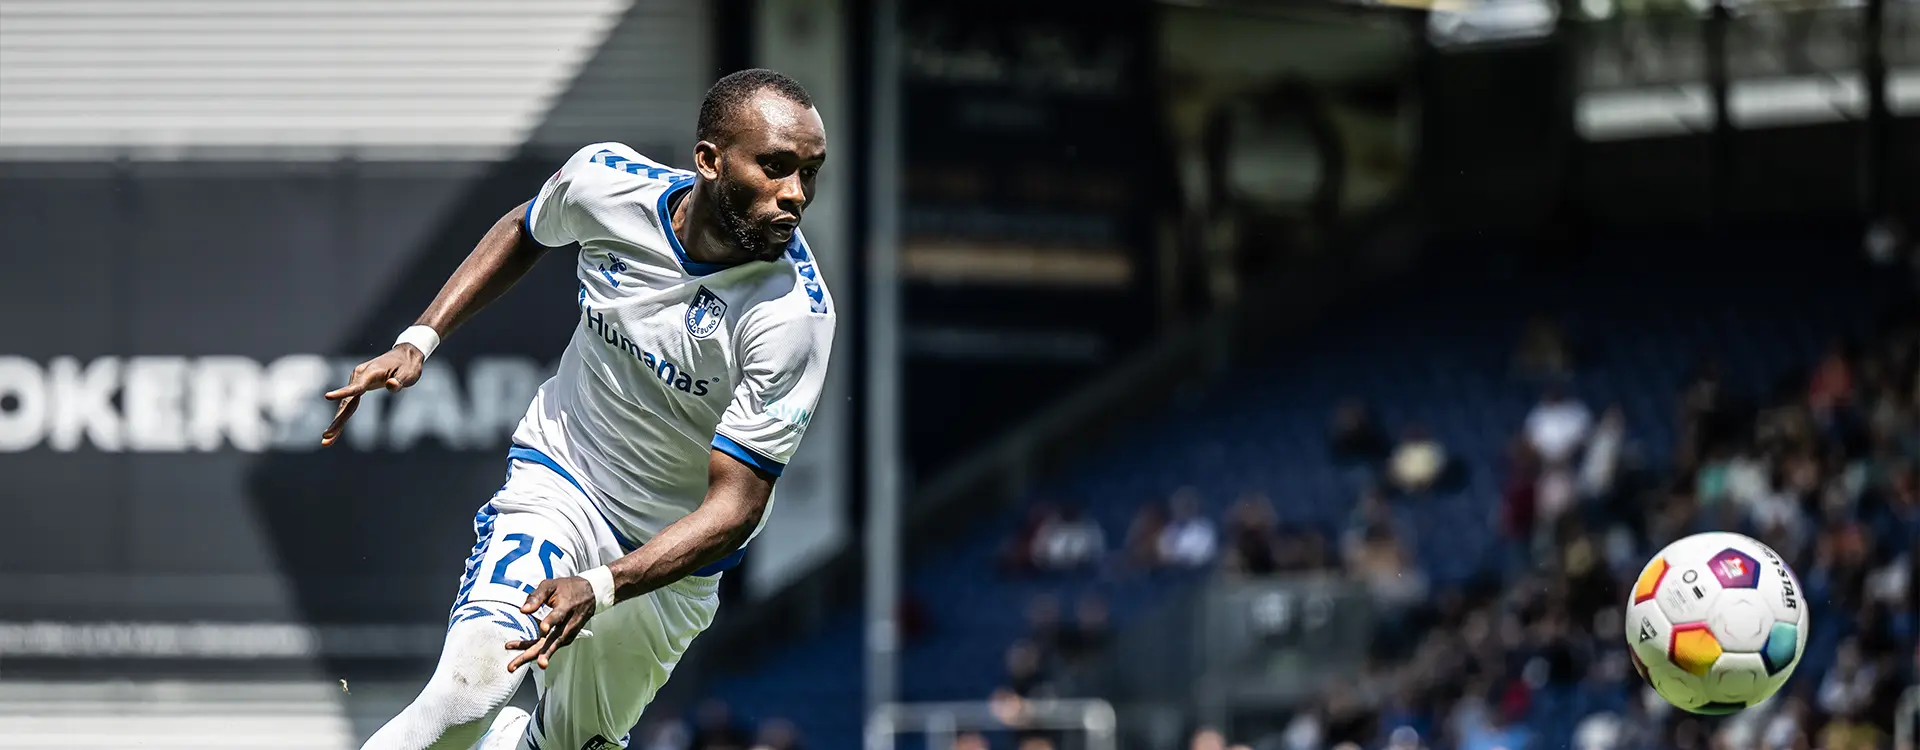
[[724, 99]]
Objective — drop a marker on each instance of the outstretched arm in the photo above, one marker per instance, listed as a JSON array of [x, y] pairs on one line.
[[736, 499], [500, 259]]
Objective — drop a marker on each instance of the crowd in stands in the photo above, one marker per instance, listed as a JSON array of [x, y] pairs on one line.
[[1530, 655], [1825, 469]]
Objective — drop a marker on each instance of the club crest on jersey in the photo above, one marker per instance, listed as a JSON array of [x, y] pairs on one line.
[[704, 313]]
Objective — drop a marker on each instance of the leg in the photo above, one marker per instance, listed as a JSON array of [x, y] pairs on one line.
[[597, 687], [471, 684], [467, 689]]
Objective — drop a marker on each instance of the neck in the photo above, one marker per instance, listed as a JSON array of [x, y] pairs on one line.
[[700, 235]]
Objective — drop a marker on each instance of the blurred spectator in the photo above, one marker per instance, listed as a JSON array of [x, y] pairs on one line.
[[1068, 540], [1498, 730], [1349, 720], [1543, 350], [1558, 426], [1405, 738], [1091, 631], [1304, 732], [777, 734], [1519, 496], [1253, 536], [1017, 555], [1189, 539], [1599, 731], [1357, 438], [1832, 381], [715, 729], [1601, 466], [1143, 536], [1371, 518], [1703, 400], [1849, 731], [1208, 739], [1026, 675], [1848, 687], [971, 741], [1417, 462], [667, 735], [1383, 563], [1556, 493], [1786, 724], [1043, 623]]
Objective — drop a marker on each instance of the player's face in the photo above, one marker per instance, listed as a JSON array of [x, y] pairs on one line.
[[765, 174]]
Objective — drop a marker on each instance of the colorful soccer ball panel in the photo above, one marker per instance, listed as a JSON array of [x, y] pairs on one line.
[[1649, 582], [1782, 648], [1694, 649], [1735, 569]]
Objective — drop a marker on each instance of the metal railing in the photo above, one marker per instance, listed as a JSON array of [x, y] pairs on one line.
[[942, 723]]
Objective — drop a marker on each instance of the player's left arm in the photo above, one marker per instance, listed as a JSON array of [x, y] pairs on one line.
[[783, 372]]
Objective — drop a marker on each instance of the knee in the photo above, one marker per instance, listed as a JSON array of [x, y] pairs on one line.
[[472, 678]]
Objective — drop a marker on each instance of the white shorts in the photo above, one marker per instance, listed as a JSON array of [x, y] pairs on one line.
[[539, 526]]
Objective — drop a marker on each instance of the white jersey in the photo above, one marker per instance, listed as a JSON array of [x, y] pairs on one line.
[[671, 358]]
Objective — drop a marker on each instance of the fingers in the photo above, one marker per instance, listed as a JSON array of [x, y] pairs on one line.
[[366, 375], [538, 599], [531, 648], [559, 628], [379, 373], [556, 639], [530, 652], [347, 406]]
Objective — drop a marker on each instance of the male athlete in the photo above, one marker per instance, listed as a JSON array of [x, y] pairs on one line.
[[646, 464]]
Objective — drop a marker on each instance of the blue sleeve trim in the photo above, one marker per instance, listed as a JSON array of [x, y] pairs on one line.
[[527, 220], [746, 455]]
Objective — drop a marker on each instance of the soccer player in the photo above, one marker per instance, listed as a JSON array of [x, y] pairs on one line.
[[646, 464]]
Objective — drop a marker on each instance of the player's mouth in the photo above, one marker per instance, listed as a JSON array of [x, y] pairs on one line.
[[782, 229]]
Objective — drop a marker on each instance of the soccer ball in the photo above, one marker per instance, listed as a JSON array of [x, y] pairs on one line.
[[1716, 623]]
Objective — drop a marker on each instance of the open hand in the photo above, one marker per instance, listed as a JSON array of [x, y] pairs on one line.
[[572, 603], [398, 368]]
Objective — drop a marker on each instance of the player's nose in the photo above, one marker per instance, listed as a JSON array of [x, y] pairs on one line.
[[792, 195]]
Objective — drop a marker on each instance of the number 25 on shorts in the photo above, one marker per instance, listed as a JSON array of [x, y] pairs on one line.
[[548, 553]]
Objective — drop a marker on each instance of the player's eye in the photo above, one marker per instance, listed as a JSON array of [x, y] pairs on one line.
[[809, 172]]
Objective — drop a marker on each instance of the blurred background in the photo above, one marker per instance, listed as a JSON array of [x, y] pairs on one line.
[[1282, 374]]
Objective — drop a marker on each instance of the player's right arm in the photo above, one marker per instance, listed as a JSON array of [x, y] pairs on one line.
[[503, 256], [584, 199]]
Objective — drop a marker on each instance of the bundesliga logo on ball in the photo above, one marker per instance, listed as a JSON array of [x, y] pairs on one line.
[[1715, 623]]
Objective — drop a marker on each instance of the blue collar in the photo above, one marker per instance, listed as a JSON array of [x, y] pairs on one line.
[[666, 226]]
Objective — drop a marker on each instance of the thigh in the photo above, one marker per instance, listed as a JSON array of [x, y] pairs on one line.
[[596, 688], [517, 547]]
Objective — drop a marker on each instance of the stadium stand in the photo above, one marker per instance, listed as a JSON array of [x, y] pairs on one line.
[[1438, 350]]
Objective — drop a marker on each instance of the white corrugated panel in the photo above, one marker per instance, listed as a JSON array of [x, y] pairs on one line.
[[312, 714], [376, 78]]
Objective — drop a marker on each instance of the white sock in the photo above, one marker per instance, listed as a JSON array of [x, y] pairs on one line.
[[468, 688]]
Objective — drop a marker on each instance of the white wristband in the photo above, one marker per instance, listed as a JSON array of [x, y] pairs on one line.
[[423, 338], [601, 579]]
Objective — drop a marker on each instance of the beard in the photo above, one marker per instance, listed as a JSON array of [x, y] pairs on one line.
[[733, 212]]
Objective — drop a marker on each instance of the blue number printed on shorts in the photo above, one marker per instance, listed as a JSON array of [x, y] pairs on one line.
[[548, 553]]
